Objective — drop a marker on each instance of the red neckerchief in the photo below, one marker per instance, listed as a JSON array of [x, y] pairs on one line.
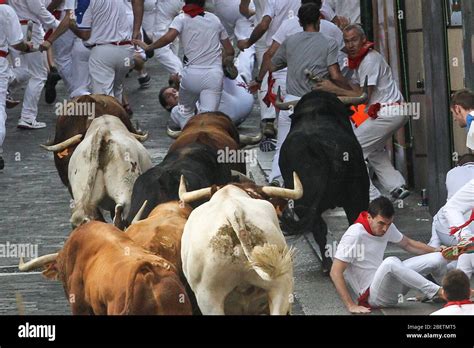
[[363, 299], [355, 62], [3, 2], [193, 10], [467, 223], [362, 219], [270, 97], [457, 303]]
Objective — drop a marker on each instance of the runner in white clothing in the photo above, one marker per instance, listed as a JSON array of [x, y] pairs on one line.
[[10, 35], [202, 36], [359, 262], [275, 12], [457, 290], [386, 116], [106, 31], [158, 16], [32, 67]]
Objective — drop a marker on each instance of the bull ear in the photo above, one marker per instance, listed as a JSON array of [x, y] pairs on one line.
[[51, 272]]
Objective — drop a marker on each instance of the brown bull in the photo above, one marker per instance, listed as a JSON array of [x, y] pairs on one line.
[[105, 273], [214, 129], [74, 120]]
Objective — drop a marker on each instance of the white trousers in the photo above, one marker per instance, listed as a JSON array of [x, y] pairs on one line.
[[265, 112], [63, 51], [168, 56], [3, 95], [201, 84], [108, 65], [394, 278], [372, 136], [81, 80], [466, 264]]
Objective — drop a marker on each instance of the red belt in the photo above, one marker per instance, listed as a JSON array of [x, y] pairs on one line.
[[119, 43], [3, 54], [24, 21]]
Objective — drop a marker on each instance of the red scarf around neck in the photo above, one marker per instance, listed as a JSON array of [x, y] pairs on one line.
[[459, 228], [193, 10], [3, 2], [363, 220], [355, 62], [457, 303]]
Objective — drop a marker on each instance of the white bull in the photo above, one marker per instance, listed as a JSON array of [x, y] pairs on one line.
[[233, 251], [103, 170]]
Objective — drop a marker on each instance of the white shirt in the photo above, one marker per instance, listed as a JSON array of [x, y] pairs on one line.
[[329, 30], [364, 253], [10, 29], [345, 8], [278, 11], [380, 77], [458, 177], [160, 16], [458, 210], [201, 38], [108, 22], [35, 11], [229, 14], [465, 309]]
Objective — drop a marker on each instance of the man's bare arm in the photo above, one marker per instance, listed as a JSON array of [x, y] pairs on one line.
[[337, 277], [138, 9]]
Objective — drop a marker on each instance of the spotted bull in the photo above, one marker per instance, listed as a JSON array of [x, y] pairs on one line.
[[233, 252], [103, 170]]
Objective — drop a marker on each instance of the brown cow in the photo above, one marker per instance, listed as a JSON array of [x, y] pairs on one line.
[[216, 130], [105, 273], [74, 119], [161, 234]]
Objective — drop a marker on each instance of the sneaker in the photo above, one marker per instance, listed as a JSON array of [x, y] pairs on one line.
[[2, 163], [268, 145], [50, 86], [144, 81], [268, 128], [31, 125], [10, 102], [400, 193]]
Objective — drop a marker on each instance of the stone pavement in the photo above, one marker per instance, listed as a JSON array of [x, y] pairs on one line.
[[34, 208]]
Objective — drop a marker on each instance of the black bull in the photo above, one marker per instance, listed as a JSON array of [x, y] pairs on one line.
[[322, 148]]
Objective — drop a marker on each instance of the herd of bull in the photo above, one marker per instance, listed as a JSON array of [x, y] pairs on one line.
[[195, 234]]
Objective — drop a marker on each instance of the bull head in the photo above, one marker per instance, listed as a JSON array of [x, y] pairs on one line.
[[313, 80], [275, 192]]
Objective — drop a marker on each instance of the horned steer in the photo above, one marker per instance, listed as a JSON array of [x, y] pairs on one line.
[[103, 170], [233, 251]]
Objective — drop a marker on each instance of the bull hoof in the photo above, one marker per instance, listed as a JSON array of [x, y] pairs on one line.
[[327, 264]]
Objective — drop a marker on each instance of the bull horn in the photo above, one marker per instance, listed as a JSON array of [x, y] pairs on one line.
[[36, 263], [295, 194], [173, 134], [138, 217], [141, 138], [250, 140], [357, 100], [64, 145], [189, 197], [279, 104], [242, 178]]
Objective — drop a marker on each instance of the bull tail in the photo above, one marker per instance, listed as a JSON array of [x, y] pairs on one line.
[[269, 261], [142, 268], [94, 160]]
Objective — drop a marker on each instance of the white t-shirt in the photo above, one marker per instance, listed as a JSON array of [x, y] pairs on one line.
[[364, 253], [329, 30], [108, 22], [380, 76], [162, 15], [458, 177], [345, 8], [279, 10], [235, 23], [35, 11], [10, 29], [201, 38], [458, 210], [465, 309]]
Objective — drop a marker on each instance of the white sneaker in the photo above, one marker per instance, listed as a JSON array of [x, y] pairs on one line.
[[31, 125]]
